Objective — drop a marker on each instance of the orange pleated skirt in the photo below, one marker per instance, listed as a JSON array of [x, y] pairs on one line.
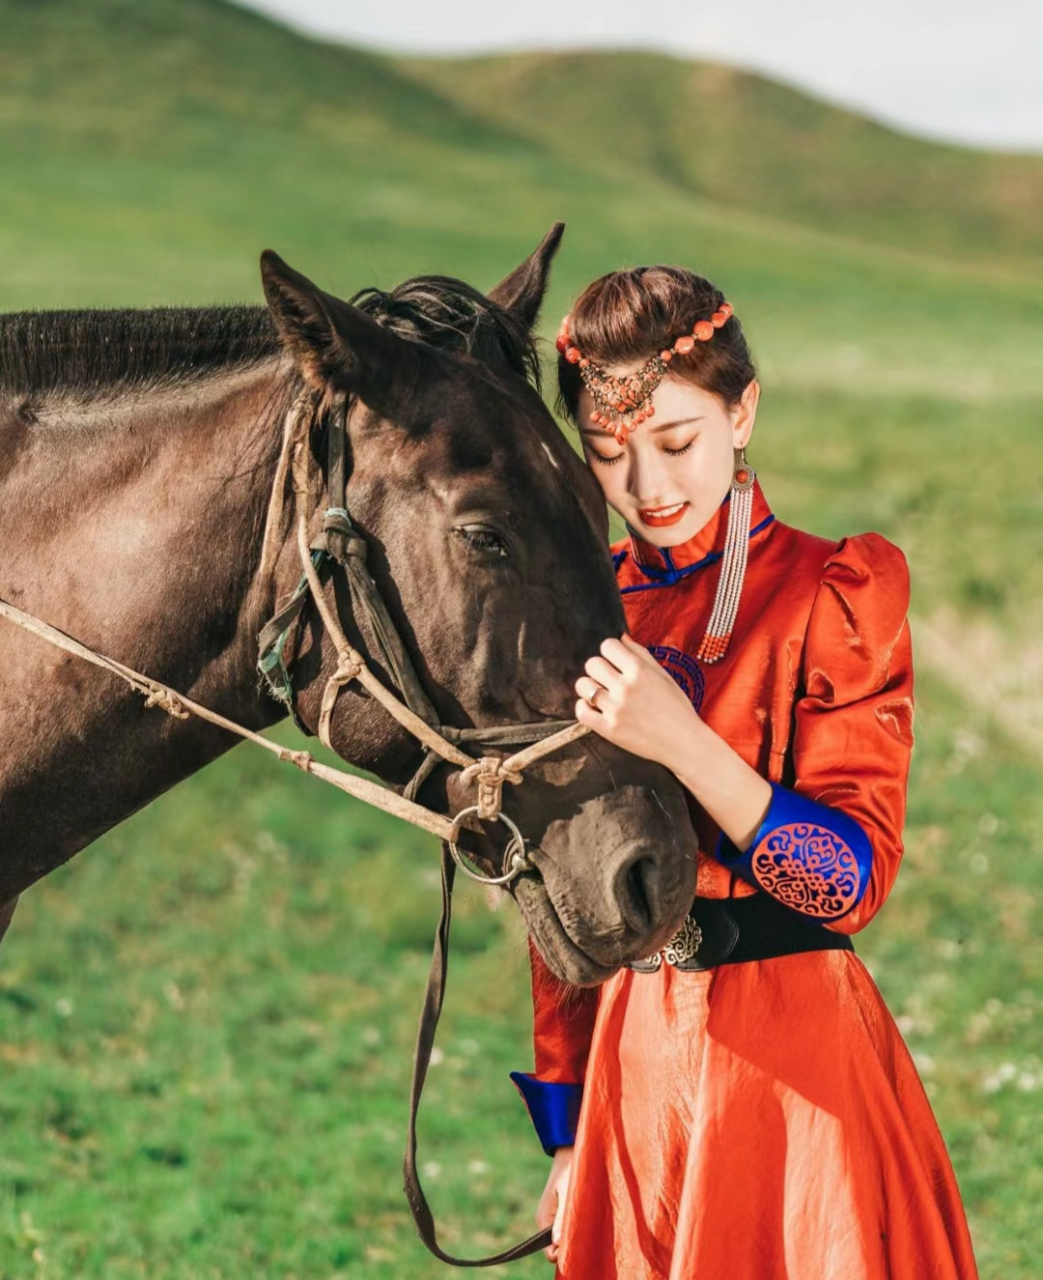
[[761, 1121]]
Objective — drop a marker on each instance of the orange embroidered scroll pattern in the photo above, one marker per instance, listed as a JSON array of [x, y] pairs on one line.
[[809, 869]]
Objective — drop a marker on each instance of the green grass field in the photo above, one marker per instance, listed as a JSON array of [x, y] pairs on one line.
[[206, 1021]]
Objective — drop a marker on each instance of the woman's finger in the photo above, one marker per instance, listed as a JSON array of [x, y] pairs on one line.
[[638, 650], [588, 690], [616, 652], [547, 1216], [587, 715], [603, 672], [559, 1219], [547, 1209], [559, 1216]]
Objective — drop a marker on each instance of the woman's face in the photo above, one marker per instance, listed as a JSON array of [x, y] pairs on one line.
[[676, 467]]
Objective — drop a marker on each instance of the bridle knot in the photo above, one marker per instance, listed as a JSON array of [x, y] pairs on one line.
[[167, 701], [302, 759], [490, 774], [349, 666]]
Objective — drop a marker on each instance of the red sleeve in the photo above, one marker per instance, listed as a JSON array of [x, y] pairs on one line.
[[563, 1023], [853, 726], [831, 841]]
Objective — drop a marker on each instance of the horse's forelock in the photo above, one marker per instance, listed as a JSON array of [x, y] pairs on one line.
[[451, 316]]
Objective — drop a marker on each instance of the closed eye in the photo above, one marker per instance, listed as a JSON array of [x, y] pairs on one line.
[[676, 453]]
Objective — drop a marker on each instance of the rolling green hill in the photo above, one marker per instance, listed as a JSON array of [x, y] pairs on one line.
[[205, 1020], [730, 136], [710, 131]]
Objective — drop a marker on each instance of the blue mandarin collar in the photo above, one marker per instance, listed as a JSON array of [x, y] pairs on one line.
[[704, 547]]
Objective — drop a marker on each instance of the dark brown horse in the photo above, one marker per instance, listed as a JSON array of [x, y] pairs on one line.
[[143, 510]]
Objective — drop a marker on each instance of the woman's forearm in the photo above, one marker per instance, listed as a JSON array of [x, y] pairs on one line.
[[734, 795]]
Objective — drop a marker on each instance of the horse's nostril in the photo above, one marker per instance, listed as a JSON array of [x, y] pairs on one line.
[[636, 899]]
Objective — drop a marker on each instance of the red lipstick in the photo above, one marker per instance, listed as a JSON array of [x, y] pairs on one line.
[[655, 520]]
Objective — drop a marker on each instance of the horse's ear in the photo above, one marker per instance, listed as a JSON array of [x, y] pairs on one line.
[[335, 344], [521, 293]]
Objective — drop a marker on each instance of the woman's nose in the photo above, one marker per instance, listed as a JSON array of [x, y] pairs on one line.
[[645, 479]]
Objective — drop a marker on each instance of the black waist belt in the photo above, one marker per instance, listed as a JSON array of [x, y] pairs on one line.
[[734, 930]]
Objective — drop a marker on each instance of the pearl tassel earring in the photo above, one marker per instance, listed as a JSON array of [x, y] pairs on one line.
[[733, 564]]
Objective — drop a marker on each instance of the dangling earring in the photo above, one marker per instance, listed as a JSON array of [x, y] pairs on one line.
[[733, 563]]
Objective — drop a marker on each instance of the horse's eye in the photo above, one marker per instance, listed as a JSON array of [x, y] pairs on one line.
[[483, 539]]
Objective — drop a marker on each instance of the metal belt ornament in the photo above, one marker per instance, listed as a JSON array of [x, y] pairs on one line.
[[684, 945]]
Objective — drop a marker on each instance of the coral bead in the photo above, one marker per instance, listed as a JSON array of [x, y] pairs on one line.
[[584, 363], [726, 310], [650, 410], [562, 342], [639, 418], [666, 356], [572, 355], [741, 477], [718, 319], [683, 345], [703, 330]]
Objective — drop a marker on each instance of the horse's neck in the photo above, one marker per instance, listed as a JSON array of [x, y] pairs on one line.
[[136, 526]]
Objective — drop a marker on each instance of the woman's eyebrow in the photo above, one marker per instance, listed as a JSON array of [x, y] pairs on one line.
[[680, 422], [660, 426]]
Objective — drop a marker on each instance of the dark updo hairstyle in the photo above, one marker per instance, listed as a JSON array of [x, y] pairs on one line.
[[626, 316]]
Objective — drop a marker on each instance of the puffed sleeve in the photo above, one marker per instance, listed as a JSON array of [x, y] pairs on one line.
[[831, 841], [563, 1022]]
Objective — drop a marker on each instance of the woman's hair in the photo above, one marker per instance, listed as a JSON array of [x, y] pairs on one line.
[[626, 316]]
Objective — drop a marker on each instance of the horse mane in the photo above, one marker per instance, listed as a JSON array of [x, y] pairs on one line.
[[93, 352], [89, 352], [446, 313]]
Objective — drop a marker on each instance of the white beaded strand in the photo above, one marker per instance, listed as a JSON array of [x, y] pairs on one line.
[[733, 570]]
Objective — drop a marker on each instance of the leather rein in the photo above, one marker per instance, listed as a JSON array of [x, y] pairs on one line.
[[340, 546]]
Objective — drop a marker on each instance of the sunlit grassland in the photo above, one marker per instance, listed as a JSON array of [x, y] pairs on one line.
[[206, 1021], [227, 1097]]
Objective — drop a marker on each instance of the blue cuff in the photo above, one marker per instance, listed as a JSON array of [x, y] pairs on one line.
[[553, 1109], [808, 856]]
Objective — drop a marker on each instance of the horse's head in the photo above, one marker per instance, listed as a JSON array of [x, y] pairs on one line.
[[487, 539]]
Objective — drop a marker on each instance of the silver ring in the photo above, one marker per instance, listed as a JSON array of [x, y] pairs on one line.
[[517, 861], [592, 700]]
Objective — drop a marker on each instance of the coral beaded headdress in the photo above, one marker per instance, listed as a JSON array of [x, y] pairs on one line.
[[621, 404]]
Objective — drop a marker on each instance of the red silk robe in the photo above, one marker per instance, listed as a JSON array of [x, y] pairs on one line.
[[763, 1120]]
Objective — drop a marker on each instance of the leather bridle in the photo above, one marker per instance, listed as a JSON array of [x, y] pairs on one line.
[[339, 545]]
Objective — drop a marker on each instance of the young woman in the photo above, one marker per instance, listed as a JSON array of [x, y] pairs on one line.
[[749, 1110]]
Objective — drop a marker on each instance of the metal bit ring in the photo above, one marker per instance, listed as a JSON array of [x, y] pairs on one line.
[[517, 862]]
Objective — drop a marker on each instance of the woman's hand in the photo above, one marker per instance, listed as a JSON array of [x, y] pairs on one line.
[[640, 708], [551, 1210], [636, 704]]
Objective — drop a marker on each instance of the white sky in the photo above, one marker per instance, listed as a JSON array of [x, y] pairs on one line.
[[966, 70]]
